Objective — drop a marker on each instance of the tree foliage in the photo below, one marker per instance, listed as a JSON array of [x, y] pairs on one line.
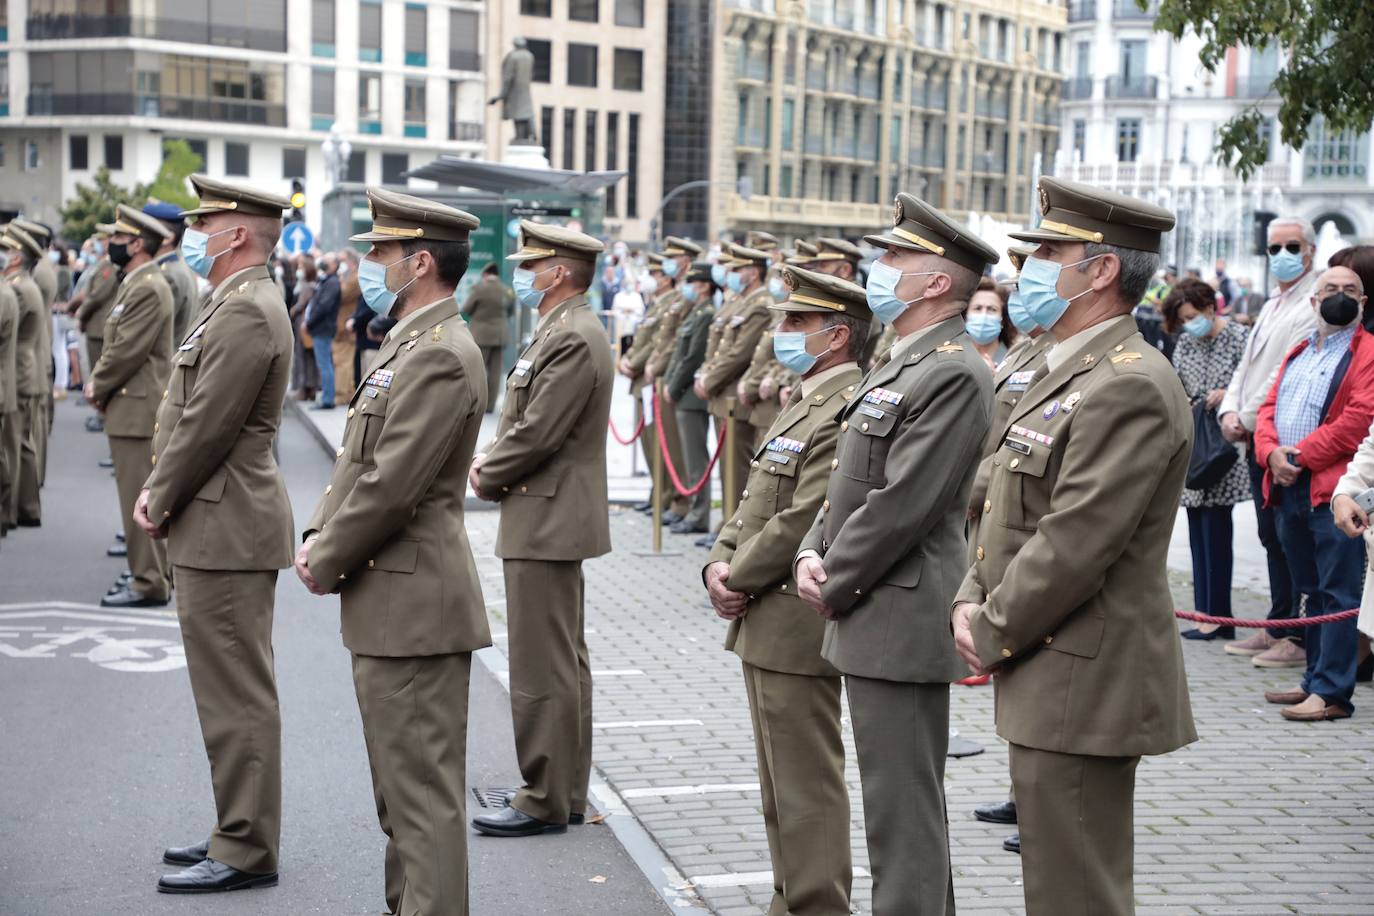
[[1328, 72], [96, 202]]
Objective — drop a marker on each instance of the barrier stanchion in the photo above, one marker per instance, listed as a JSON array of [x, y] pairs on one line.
[[656, 495], [729, 497]]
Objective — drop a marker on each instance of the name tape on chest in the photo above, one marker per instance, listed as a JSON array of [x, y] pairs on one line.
[[869, 410], [370, 392], [784, 444], [381, 378], [1032, 435], [882, 396], [523, 367], [1020, 381]]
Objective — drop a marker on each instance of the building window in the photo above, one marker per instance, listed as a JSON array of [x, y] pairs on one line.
[[629, 70], [394, 166], [569, 138], [463, 49], [321, 99], [1133, 62], [293, 162], [235, 158], [357, 166], [536, 8], [1330, 157], [629, 13], [322, 28], [546, 131], [1127, 139], [785, 181], [589, 141], [543, 56], [612, 147], [632, 167], [415, 108], [78, 152], [581, 65], [369, 103], [32, 161], [370, 31], [789, 117], [415, 36], [1080, 137], [114, 152], [582, 10]]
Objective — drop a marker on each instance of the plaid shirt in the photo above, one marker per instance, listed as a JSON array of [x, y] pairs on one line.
[[1305, 385]]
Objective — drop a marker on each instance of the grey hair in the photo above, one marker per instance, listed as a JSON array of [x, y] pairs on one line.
[[1137, 268], [1309, 234], [859, 329]]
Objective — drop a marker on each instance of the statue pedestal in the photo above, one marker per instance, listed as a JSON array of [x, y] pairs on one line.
[[525, 156]]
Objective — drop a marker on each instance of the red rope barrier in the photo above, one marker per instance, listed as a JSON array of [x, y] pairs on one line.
[[615, 433], [1284, 623], [668, 461]]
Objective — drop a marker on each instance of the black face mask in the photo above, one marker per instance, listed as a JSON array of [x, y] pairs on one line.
[[1339, 310], [119, 253]]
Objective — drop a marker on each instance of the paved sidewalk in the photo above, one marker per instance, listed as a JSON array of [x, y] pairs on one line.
[[1261, 816]]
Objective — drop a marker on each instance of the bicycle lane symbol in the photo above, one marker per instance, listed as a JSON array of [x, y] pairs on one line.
[[117, 641]]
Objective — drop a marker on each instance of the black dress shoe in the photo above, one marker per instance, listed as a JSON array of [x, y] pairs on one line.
[[209, 876], [1000, 813], [514, 823], [95, 425], [644, 507], [187, 855], [574, 819], [106, 463], [127, 597], [708, 541], [30, 523], [119, 536], [117, 550], [686, 527], [1218, 633], [670, 518], [1012, 843]]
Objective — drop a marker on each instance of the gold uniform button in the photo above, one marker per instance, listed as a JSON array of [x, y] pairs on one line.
[[981, 553], [1048, 640], [164, 395], [744, 495], [351, 412], [505, 489], [772, 468], [754, 463], [739, 524], [154, 459], [414, 333], [166, 515], [864, 428], [329, 489], [338, 453], [1120, 347], [1006, 653], [784, 586], [1015, 463], [987, 505], [834, 463], [524, 489], [157, 427], [858, 591], [844, 427], [124, 391], [371, 564]]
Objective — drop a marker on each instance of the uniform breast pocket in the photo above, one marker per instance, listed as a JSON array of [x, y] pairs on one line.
[[864, 443], [367, 429], [184, 369], [776, 485], [518, 392], [1023, 497]]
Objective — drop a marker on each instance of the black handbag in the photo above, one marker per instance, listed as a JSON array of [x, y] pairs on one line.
[[1212, 454]]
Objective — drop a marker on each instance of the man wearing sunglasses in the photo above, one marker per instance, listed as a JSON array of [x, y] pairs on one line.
[[1286, 319]]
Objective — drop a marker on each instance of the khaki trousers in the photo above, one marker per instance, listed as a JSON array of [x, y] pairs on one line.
[[1077, 820], [226, 626], [550, 686], [415, 724], [901, 733], [30, 506], [692, 427], [671, 500], [94, 347], [42, 428], [147, 557], [805, 803], [491, 359], [11, 424]]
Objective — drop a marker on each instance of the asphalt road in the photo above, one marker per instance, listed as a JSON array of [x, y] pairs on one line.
[[101, 764]]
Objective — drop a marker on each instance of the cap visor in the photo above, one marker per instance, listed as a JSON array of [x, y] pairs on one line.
[[889, 241], [201, 211], [526, 256], [375, 237], [1042, 235], [787, 305]]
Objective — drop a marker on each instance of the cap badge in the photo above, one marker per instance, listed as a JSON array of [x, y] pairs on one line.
[[789, 279], [1044, 201], [896, 212]]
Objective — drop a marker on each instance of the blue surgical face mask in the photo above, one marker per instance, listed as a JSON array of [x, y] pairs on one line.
[[670, 267], [690, 293], [790, 349], [717, 298], [718, 274], [983, 327], [735, 281], [1039, 288], [1016, 311], [193, 251], [1286, 265], [372, 285], [777, 289], [882, 291], [522, 280], [1199, 326]]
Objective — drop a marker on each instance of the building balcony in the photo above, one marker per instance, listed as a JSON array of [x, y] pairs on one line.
[[202, 32], [1082, 10], [157, 106], [1128, 9], [465, 131], [752, 137], [804, 211], [1134, 177], [1134, 88], [1078, 89]]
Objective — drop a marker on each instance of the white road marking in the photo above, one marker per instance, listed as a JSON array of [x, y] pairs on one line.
[[704, 789], [743, 878], [647, 723]]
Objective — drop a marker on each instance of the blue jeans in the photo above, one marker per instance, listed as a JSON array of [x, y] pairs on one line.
[[324, 359], [1326, 567], [1210, 534], [1283, 603]]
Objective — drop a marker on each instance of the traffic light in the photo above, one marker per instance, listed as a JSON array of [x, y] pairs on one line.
[[297, 198]]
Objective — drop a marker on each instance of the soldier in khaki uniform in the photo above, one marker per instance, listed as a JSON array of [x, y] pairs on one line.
[[92, 305], [216, 496], [1068, 599], [547, 468], [678, 252], [388, 535], [794, 694], [488, 309], [10, 423], [126, 387], [692, 418], [180, 278], [841, 258], [45, 277], [31, 384], [886, 552]]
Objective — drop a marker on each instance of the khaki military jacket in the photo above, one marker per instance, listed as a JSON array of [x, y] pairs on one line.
[[1009, 383], [547, 464], [185, 293], [642, 347], [886, 339], [891, 531], [45, 275], [1071, 577], [9, 346], [665, 335], [215, 480], [787, 482], [738, 338], [100, 298], [136, 360], [30, 357], [763, 364], [485, 310], [688, 354], [390, 523]]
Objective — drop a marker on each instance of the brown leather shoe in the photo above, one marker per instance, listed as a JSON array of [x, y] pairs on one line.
[[1285, 697], [1314, 709]]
